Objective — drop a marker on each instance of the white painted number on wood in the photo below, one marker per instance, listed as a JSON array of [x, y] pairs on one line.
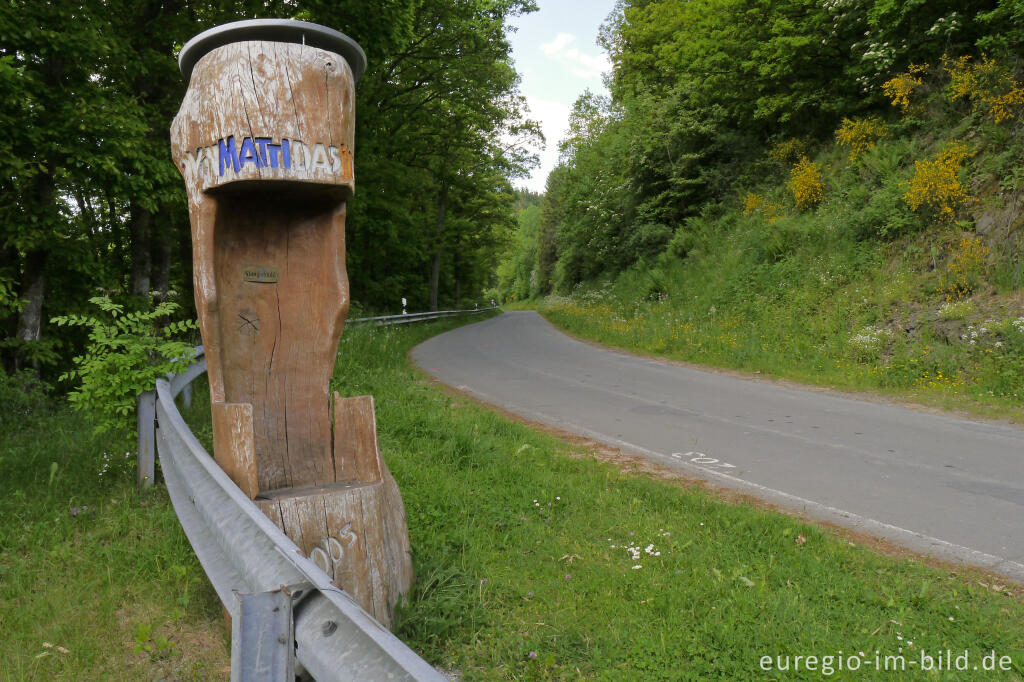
[[330, 555]]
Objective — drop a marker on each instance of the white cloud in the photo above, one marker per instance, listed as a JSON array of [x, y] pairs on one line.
[[579, 64], [561, 41]]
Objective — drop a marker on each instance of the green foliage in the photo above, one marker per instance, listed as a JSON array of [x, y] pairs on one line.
[[1004, 27], [712, 98], [24, 398], [491, 563], [157, 647], [126, 353], [441, 134], [517, 272], [500, 574], [89, 565]]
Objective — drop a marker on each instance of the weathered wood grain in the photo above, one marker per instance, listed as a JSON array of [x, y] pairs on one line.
[[264, 142], [233, 444], [277, 341], [346, 530], [399, 551], [348, 525], [257, 89], [356, 456], [271, 345]]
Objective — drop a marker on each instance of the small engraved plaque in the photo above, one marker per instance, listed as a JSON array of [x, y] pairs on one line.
[[259, 273]]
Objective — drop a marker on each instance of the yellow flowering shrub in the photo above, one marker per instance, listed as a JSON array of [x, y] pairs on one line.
[[936, 182], [805, 183], [860, 135], [988, 84], [966, 270], [752, 203], [900, 90], [757, 204]]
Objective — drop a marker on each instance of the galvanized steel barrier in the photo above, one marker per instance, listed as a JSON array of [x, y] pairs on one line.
[[257, 571], [417, 317]]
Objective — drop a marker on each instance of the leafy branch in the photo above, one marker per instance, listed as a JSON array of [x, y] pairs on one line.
[[125, 355]]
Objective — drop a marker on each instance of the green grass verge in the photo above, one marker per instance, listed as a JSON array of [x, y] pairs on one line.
[[522, 547], [521, 551], [832, 311], [96, 582]]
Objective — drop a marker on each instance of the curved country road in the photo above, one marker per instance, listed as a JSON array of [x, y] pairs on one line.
[[939, 485]]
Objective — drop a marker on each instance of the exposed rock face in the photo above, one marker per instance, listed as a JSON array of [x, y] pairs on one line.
[[1001, 225]]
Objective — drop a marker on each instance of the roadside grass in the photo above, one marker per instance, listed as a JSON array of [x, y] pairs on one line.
[[524, 551], [96, 582]]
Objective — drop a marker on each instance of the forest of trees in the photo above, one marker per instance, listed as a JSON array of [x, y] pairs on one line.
[[90, 202], [702, 91]]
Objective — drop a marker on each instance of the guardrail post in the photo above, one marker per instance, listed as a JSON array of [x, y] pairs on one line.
[[146, 439], [263, 637]]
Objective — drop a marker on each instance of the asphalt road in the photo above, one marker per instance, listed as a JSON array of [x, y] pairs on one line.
[[939, 485]]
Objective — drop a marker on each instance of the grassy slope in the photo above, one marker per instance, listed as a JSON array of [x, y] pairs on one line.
[[858, 292], [520, 548]]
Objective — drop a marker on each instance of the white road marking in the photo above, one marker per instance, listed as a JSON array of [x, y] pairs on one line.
[[703, 460]]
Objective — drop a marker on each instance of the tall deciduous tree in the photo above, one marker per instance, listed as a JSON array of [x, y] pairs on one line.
[[69, 120], [90, 198], [701, 89]]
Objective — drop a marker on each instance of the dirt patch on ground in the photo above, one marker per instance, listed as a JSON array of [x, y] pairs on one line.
[[187, 648], [641, 466]]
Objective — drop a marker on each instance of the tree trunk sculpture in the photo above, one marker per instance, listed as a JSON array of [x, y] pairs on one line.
[[264, 141]]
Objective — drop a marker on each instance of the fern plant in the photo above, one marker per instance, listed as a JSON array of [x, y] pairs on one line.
[[127, 352]]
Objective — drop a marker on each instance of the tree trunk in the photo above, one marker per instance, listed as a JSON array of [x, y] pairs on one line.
[[435, 277], [33, 287], [435, 269], [139, 227], [161, 263], [33, 277], [9, 258]]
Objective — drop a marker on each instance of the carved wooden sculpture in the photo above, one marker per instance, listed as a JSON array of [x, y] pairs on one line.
[[264, 141]]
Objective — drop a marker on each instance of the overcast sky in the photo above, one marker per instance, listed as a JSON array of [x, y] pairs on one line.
[[556, 52]]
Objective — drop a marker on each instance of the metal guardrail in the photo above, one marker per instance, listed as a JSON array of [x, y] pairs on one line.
[[417, 317], [245, 555], [242, 551]]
